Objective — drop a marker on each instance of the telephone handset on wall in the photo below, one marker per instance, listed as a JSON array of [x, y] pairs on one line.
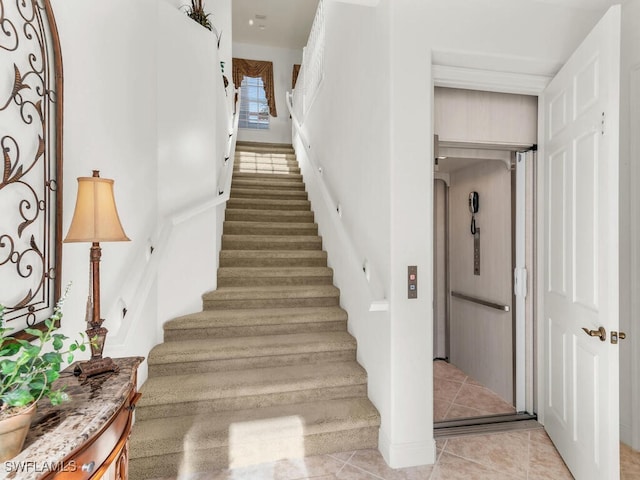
[[474, 202], [474, 206]]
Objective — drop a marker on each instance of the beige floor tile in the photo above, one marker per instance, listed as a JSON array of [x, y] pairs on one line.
[[293, 469], [342, 456], [353, 473], [540, 435], [445, 389], [629, 463], [546, 463], [460, 411], [450, 467], [505, 452], [372, 462], [442, 369], [482, 398], [440, 409]]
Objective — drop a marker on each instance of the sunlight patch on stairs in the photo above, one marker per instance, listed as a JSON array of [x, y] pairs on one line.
[[266, 440]]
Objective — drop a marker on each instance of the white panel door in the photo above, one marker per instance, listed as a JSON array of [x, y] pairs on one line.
[[581, 115]]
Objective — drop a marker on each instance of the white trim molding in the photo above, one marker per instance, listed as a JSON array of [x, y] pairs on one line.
[[406, 454], [487, 80]]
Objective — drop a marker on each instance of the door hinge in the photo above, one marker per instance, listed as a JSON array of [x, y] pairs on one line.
[[520, 282], [602, 124]]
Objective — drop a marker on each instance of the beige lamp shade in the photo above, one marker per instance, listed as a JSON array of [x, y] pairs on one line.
[[95, 218]]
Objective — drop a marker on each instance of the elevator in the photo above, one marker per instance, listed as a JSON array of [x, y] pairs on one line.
[[484, 165]]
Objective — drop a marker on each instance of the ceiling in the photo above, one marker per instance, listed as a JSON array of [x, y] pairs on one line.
[[287, 23]]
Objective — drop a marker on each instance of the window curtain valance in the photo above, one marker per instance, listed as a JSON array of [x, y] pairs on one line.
[[294, 75], [256, 68]]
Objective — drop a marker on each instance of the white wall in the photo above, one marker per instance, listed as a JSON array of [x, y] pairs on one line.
[[629, 234], [283, 60], [126, 114], [109, 114], [348, 134]]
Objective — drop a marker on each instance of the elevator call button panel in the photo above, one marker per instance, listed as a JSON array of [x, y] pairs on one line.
[[412, 282]]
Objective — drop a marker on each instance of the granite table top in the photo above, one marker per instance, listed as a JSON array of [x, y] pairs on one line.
[[56, 431]]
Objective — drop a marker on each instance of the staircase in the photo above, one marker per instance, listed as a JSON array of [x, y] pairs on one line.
[[267, 370]]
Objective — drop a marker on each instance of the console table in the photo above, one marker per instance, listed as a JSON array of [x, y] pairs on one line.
[[85, 438]]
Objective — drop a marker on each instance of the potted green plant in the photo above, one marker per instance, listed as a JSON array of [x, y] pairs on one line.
[[197, 13], [27, 372]]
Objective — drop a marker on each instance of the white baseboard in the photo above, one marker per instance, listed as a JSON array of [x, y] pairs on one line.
[[403, 455]]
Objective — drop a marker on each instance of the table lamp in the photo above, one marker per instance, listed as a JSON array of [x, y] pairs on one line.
[[95, 220]]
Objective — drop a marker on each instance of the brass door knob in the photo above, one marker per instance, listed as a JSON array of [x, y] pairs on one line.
[[601, 333]]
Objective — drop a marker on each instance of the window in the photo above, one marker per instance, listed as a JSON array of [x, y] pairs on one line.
[[254, 108]]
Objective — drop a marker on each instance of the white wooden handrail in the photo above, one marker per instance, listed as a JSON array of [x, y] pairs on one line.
[[379, 301]]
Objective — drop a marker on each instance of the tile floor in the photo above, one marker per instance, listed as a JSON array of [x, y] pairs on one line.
[[521, 455], [516, 455], [457, 395], [525, 455]]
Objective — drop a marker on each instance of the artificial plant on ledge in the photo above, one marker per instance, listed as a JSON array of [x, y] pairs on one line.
[[27, 373], [27, 370], [197, 13]]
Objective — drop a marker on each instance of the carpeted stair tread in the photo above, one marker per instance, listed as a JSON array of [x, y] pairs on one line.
[[262, 183], [262, 147], [248, 322], [249, 382], [267, 316], [270, 228], [243, 347], [271, 292], [261, 215], [248, 276], [288, 177], [272, 243], [269, 204], [264, 168], [161, 436], [239, 192], [273, 258]]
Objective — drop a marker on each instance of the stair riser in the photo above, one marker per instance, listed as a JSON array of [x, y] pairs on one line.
[[246, 402], [283, 205], [179, 368], [260, 151], [254, 330], [253, 152], [255, 193], [293, 177], [258, 243], [224, 456], [265, 162], [289, 280], [265, 169], [268, 261], [270, 302], [268, 185], [234, 215], [293, 229]]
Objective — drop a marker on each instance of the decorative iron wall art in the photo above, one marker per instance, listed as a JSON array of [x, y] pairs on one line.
[[31, 162]]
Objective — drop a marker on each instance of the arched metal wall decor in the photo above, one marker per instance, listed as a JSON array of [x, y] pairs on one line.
[[31, 164]]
